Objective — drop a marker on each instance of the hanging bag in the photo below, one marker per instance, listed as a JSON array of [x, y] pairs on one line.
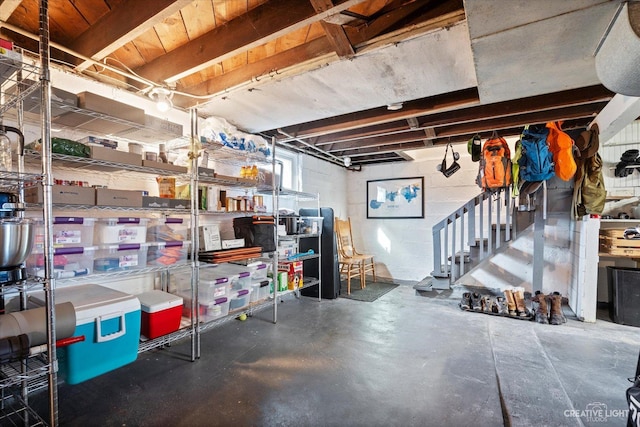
[[561, 145], [455, 166], [495, 165]]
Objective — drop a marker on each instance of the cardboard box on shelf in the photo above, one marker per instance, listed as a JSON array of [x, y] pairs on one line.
[[63, 195], [164, 166], [121, 198], [294, 273], [116, 156], [155, 202], [210, 238], [100, 104]]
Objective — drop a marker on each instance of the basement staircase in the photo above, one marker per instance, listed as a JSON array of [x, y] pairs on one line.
[[477, 230]]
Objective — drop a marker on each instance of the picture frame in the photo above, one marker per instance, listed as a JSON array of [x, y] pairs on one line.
[[395, 198]]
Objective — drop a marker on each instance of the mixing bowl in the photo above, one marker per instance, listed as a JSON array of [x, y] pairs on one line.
[[16, 241]]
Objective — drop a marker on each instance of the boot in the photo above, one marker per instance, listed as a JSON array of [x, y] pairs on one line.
[[511, 302], [501, 306], [465, 302], [486, 304], [557, 316], [476, 303], [542, 310], [521, 308]]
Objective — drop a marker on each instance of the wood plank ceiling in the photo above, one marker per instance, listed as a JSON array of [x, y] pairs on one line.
[[202, 48]]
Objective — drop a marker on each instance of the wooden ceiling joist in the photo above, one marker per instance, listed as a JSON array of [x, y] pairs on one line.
[[127, 21], [258, 26]]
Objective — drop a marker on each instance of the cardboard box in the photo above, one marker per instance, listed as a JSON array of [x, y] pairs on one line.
[[99, 141], [179, 203], [100, 104], [155, 202], [294, 273], [210, 238], [232, 243], [116, 156], [122, 198], [63, 195], [164, 166], [155, 129]]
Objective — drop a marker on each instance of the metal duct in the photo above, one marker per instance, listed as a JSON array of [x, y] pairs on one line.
[[618, 59]]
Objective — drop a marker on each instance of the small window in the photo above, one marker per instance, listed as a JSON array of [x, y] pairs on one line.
[[290, 173]]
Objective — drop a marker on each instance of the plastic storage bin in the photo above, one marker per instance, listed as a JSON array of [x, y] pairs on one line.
[[67, 262], [120, 230], [168, 230], [161, 313], [260, 290], [209, 288], [110, 323], [68, 231], [624, 295], [168, 253], [239, 299], [209, 309], [239, 276], [310, 225], [131, 256]]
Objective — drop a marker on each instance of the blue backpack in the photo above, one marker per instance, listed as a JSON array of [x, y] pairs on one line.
[[536, 163]]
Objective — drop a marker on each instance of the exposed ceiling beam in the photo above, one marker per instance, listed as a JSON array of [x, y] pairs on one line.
[[7, 7], [258, 26], [304, 56], [334, 32], [375, 116], [484, 125], [420, 108], [127, 21]]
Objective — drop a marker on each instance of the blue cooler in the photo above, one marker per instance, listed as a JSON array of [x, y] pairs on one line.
[[110, 323]]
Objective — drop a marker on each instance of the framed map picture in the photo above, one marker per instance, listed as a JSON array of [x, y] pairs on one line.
[[395, 198]]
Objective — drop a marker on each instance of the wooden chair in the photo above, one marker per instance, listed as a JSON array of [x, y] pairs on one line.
[[352, 263]]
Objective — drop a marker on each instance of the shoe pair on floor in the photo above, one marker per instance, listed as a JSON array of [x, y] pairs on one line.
[[549, 308], [511, 304]]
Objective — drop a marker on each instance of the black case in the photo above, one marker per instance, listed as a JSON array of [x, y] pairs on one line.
[[256, 230], [330, 274]]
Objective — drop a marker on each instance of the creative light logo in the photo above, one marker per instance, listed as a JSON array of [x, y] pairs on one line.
[[596, 412]]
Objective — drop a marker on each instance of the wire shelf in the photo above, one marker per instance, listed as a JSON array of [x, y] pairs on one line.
[[164, 340], [74, 162], [31, 283], [37, 368], [176, 211], [126, 273], [15, 412], [10, 63]]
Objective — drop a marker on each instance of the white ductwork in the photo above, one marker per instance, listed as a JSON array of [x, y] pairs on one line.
[[618, 58]]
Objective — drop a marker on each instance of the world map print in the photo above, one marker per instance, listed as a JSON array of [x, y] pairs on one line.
[[395, 198]]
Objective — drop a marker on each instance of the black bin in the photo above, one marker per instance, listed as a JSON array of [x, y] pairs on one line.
[[624, 295]]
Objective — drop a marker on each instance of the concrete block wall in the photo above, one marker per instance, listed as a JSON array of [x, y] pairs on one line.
[[403, 248]]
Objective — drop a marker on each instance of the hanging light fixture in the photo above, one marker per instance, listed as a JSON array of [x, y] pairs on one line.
[[162, 97]]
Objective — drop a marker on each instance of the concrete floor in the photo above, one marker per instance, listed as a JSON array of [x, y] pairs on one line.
[[407, 359]]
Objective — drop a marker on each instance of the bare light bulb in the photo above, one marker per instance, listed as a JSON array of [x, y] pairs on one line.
[[347, 161]]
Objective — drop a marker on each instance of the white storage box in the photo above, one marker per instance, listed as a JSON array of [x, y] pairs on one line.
[[168, 253], [67, 262], [110, 323], [240, 299], [210, 287], [260, 290], [120, 230], [68, 231], [209, 309], [130, 256], [168, 230], [239, 276]]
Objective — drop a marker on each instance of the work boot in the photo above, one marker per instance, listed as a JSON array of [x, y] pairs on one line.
[[557, 316], [542, 310], [511, 302], [465, 302], [486, 304], [476, 302], [521, 307], [501, 306]]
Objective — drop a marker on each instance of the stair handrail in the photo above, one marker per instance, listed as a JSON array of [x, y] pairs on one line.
[[457, 219]]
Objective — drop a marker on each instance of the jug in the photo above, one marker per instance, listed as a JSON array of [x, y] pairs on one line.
[[6, 163]]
